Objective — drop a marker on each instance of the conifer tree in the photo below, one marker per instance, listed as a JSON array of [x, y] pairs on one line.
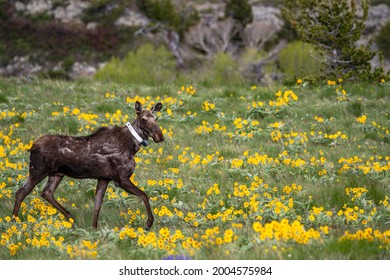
[[334, 27]]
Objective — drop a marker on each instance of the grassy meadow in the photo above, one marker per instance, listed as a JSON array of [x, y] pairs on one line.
[[298, 172]]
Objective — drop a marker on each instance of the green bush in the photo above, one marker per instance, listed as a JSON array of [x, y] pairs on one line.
[[248, 65], [240, 10], [298, 59], [163, 11], [54, 40], [3, 6], [383, 40], [146, 65], [223, 70], [159, 10]]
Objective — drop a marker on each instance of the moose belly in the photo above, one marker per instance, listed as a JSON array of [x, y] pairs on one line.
[[80, 171], [94, 167]]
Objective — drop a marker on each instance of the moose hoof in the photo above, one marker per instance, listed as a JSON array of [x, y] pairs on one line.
[[148, 225]]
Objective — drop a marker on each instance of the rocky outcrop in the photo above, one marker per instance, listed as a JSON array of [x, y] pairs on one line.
[[377, 17], [132, 18], [82, 70], [269, 15], [71, 12], [20, 65], [34, 7], [68, 11]]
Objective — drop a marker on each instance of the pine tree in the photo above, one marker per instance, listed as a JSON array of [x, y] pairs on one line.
[[334, 27]]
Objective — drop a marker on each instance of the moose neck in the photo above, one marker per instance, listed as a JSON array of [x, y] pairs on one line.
[[136, 127]]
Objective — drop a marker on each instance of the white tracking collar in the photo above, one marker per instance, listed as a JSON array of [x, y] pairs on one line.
[[136, 135]]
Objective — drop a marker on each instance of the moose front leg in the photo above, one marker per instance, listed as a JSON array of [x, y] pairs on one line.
[[129, 187], [21, 194]]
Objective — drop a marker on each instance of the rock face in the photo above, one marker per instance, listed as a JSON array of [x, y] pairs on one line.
[[18, 65], [34, 6], [377, 17], [269, 15], [68, 11], [132, 18], [82, 70], [71, 12]]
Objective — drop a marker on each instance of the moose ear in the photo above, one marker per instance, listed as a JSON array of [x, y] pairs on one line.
[[138, 107], [157, 107]]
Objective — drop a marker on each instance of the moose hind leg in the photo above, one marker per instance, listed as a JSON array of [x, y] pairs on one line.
[[129, 187], [21, 194], [100, 191], [48, 194]]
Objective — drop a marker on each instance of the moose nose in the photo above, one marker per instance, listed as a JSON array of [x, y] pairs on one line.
[[157, 134], [159, 138]]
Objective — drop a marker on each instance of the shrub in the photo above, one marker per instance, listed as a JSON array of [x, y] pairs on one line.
[[55, 40], [248, 64], [3, 99], [223, 71], [164, 11], [146, 65], [383, 40], [299, 59], [239, 10], [159, 10]]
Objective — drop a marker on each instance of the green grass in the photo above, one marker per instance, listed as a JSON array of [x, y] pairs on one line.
[[323, 149]]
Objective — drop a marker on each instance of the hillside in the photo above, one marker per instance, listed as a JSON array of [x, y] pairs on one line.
[[72, 39]]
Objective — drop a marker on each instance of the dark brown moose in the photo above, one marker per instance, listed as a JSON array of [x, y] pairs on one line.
[[106, 155]]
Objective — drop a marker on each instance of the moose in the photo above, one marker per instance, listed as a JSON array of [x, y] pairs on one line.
[[106, 155]]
